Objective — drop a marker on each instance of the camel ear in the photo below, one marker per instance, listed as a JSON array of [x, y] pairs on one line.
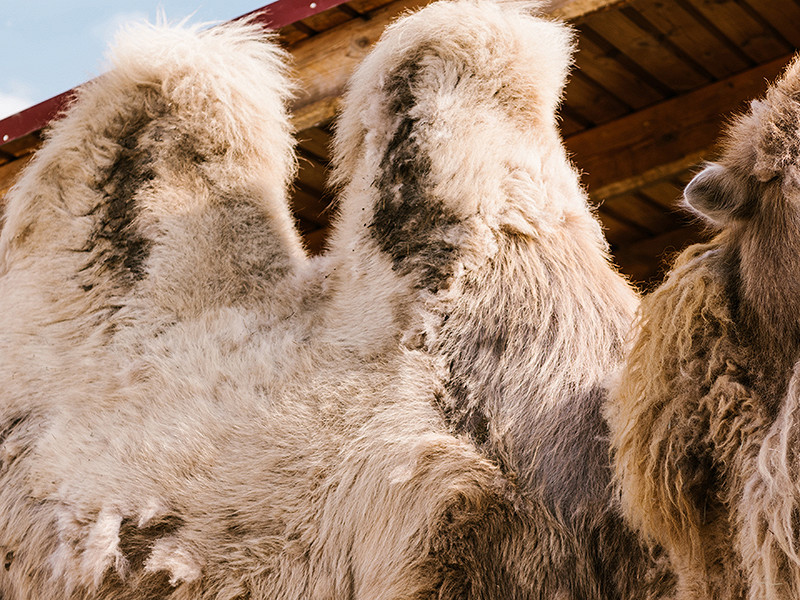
[[717, 195]]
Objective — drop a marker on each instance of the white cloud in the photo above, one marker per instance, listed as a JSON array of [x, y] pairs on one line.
[[11, 104]]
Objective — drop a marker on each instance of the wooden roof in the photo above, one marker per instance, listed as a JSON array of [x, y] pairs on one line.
[[654, 83]]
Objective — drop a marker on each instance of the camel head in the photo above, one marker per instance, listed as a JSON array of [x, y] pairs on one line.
[[752, 195]]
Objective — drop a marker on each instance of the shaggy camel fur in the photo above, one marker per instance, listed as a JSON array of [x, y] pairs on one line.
[[704, 420], [192, 408]]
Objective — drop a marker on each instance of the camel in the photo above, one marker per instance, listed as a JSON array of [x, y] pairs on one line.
[[192, 407], [702, 415]]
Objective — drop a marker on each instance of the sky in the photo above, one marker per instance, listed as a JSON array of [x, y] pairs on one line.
[[50, 46]]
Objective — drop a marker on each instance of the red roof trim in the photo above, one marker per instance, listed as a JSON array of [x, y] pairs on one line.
[[33, 118], [275, 15], [285, 12]]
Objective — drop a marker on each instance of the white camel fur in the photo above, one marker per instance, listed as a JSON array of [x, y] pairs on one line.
[[190, 407]]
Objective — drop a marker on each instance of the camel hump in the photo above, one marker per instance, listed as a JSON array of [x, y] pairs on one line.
[[444, 131], [164, 183]]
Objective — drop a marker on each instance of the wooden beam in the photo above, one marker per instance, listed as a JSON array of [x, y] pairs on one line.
[[325, 62], [645, 146], [657, 173], [315, 240], [647, 260], [10, 171], [574, 10], [315, 114]]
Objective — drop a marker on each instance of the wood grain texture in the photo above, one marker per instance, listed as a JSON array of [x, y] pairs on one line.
[[325, 61], [10, 171], [620, 152]]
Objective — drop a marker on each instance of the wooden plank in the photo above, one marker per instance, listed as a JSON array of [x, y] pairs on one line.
[[316, 114], [751, 36], [598, 64], [575, 10], [291, 35], [634, 181], [667, 195], [690, 35], [23, 145], [327, 19], [317, 141], [367, 6], [618, 232], [647, 215], [304, 226], [311, 173], [616, 156], [9, 173], [324, 62], [591, 102], [314, 241], [647, 261], [783, 15], [307, 205], [684, 178], [569, 126], [647, 51]]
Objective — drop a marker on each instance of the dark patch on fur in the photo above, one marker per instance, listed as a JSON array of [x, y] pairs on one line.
[[462, 416], [235, 525], [469, 545], [731, 269], [569, 537], [408, 223], [480, 354], [767, 361], [478, 424], [482, 346], [22, 236], [154, 586], [573, 476], [136, 543], [351, 579], [570, 463], [147, 586], [11, 425], [499, 546], [9, 429], [117, 248], [8, 559], [246, 238], [701, 481], [623, 566]]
